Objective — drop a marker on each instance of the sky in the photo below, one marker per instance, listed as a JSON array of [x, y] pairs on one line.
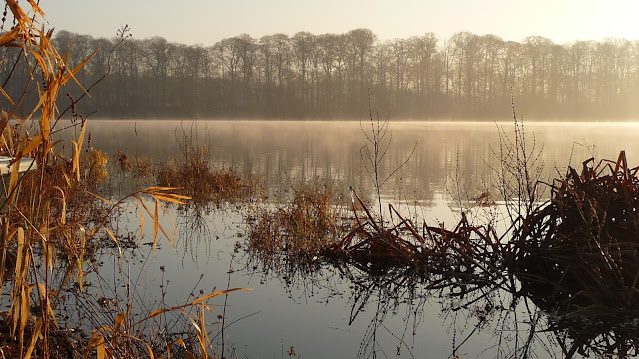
[[208, 21]]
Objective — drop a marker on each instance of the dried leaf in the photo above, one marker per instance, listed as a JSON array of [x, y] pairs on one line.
[[44, 294], [63, 211], [100, 348], [8, 38], [214, 294], [35, 335], [6, 95], [36, 8], [119, 320], [71, 74], [166, 198], [31, 145]]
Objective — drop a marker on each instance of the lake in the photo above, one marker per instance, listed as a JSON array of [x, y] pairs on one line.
[[433, 166]]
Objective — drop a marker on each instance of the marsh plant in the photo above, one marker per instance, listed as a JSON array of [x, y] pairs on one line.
[[52, 216]]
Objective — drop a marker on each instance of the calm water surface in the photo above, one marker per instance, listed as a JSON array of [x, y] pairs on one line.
[[312, 312], [284, 152]]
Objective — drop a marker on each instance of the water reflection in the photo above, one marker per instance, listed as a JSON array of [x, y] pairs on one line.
[[546, 283], [282, 153], [508, 320], [393, 307], [394, 311]]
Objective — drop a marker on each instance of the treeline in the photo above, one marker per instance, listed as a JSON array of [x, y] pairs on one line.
[[334, 75]]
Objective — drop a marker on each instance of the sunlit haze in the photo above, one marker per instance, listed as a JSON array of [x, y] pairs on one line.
[[319, 179], [205, 22]]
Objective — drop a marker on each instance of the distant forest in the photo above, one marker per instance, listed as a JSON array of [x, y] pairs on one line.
[[334, 75]]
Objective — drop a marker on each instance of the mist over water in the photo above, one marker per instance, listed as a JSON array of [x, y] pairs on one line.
[[313, 194], [282, 153], [311, 311]]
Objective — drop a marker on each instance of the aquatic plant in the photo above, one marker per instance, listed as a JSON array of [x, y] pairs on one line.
[[305, 228], [194, 177], [570, 261], [52, 217], [192, 174], [577, 257]]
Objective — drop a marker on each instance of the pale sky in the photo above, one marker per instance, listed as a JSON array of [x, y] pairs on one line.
[[207, 21]]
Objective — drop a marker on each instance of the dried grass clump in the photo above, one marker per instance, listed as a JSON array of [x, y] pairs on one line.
[[378, 245], [312, 227], [139, 166], [95, 163], [195, 177], [123, 161], [578, 256], [45, 224], [305, 228], [61, 344], [142, 167], [465, 257], [52, 217], [167, 172]]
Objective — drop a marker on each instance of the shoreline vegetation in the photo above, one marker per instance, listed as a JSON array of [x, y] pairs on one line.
[[53, 219], [572, 257], [570, 260]]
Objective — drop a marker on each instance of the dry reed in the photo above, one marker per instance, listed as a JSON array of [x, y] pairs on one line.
[[305, 228], [52, 216], [578, 257]]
